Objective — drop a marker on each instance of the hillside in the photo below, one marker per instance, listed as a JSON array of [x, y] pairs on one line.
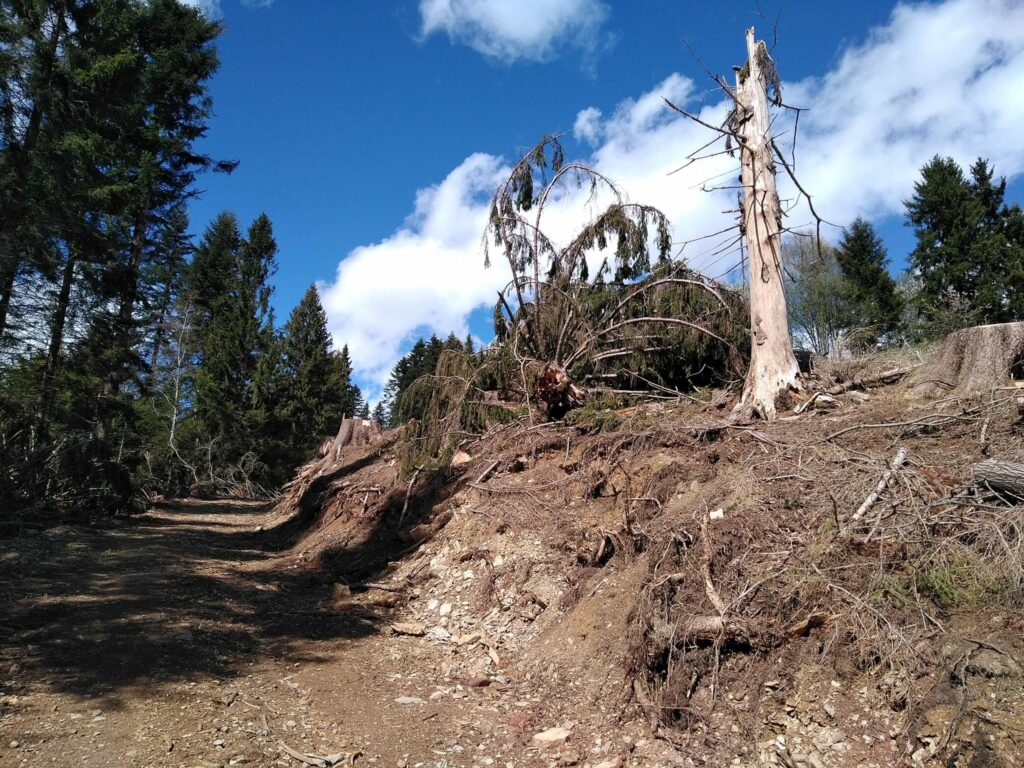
[[649, 586], [709, 577]]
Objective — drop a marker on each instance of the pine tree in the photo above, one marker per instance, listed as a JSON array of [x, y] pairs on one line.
[[969, 253], [239, 334], [380, 415], [863, 260], [317, 391]]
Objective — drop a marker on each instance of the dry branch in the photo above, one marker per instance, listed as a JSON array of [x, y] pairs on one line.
[[863, 382], [897, 462]]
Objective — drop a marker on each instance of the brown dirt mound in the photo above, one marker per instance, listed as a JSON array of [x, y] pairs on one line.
[[712, 578]]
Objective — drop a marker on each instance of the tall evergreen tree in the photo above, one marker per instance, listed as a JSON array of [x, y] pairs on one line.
[[317, 391], [237, 336], [863, 260], [969, 255]]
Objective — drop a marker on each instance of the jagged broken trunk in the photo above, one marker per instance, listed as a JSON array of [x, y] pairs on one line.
[[973, 360], [773, 367]]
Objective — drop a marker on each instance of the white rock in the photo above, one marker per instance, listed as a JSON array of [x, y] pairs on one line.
[[552, 737], [445, 609], [409, 700]]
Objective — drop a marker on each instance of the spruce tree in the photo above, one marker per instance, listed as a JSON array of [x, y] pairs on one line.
[[863, 260], [237, 336], [380, 415], [317, 390], [969, 252]]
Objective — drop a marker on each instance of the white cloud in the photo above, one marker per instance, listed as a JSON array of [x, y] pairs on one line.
[[210, 7], [510, 30], [427, 275], [587, 127], [946, 79]]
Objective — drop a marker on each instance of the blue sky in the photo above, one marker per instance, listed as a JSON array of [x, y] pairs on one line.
[[371, 131]]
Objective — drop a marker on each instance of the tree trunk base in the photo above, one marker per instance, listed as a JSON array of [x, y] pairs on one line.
[[973, 360], [352, 432]]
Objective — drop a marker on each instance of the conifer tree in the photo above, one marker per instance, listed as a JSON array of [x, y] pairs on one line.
[[969, 252], [380, 414], [863, 260], [317, 392], [238, 334]]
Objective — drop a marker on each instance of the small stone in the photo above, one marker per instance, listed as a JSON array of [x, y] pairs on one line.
[[615, 762], [445, 609], [432, 604], [15, 745], [991, 663], [478, 682], [439, 633], [409, 700], [552, 737], [408, 628], [218, 742], [470, 638]]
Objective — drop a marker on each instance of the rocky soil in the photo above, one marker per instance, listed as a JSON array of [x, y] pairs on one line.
[[512, 610]]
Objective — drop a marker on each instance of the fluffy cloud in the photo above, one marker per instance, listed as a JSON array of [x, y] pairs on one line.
[[428, 276], [945, 79], [512, 30], [587, 127], [213, 10]]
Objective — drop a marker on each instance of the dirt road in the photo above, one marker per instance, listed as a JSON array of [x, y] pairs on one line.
[[179, 640]]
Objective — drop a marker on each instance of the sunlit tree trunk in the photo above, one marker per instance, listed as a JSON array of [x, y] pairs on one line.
[[773, 367]]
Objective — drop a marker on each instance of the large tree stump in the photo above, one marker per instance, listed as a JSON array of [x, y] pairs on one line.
[[352, 432], [972, 360]]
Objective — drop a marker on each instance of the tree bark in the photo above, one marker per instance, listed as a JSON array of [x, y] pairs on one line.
[[57, 325], [773, 367], [352, 432], [10, 261], [973, 360], [1000, 476]]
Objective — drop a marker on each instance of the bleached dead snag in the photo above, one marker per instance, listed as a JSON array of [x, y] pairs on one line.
[[1005, 477], [972, 360], [773, 367]]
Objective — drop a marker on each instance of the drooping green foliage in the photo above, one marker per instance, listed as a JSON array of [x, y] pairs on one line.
[[419, 361], [643, 325], [970, 250]]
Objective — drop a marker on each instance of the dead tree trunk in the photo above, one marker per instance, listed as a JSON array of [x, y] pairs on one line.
[[773, 367], [1000, 476], [973, 360]]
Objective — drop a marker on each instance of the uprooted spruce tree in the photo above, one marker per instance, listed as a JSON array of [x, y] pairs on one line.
[[605, 314]]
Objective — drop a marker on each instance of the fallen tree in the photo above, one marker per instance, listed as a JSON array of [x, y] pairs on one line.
[[972, 360], [1000, 476]]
